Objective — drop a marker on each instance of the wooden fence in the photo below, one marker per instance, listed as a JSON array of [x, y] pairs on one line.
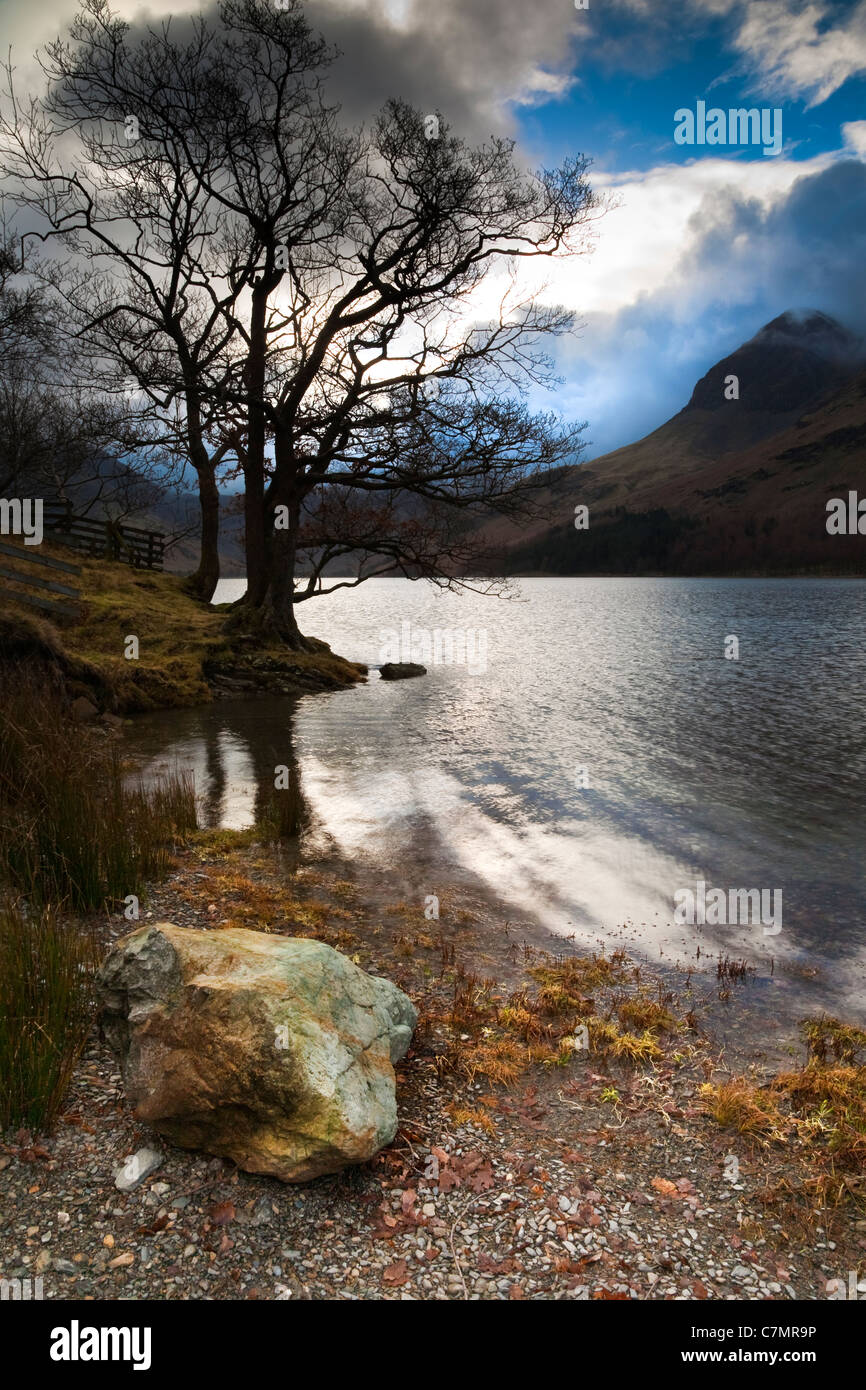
[[38, 581], [131, 544]]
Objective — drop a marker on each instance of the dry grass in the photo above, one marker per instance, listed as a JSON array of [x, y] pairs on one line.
[[648, 1015], [818, 1111], [541, 1024], [742, 1105], [462, 1115], [180, 638]]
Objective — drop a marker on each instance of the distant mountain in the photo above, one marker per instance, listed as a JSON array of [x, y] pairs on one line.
[[725, 486]]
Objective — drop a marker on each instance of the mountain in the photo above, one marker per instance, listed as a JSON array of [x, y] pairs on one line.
[[725, 486]]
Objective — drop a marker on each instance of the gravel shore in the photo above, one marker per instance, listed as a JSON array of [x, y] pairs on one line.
[[589, 1181]]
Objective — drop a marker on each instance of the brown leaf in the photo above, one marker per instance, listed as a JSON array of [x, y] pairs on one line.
[[668, 1189], [396, 1274], [516, 1292], [221, 1213], [482, 1178], [408, 1200], [448, 1179]]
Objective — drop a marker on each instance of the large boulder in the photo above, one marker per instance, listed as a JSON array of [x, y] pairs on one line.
[[276, 1052]]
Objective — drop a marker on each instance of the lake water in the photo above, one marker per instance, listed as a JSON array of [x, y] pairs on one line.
[[599, 755]]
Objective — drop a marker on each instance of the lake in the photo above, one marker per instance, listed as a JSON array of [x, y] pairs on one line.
[[589, 754]]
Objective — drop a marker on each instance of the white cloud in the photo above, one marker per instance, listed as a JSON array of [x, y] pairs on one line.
[[795, 51], [854, 135]]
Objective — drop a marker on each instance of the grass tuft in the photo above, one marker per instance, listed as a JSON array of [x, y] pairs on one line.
[[46, 1009]]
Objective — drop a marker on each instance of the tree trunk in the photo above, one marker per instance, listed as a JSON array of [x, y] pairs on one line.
[[203, 582], [256, 547], [205, 579], [274, 616], [278, 605]]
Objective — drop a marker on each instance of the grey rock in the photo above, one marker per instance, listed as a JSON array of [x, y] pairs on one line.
[[136, 1168], [401, 670], [275, 1052]]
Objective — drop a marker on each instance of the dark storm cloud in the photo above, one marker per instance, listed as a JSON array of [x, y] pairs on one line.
[[807, 249], [468, 58], [465, 59]]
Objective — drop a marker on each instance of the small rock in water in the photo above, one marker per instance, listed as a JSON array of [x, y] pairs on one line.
[[136, 1169], [401, 670]]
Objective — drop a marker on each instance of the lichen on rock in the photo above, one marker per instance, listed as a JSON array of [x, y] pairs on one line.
[[276, 1052]]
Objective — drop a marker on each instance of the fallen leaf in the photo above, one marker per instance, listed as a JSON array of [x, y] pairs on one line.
[[222, 1213], [482, 1178], [396, 1274], [669, 1189]]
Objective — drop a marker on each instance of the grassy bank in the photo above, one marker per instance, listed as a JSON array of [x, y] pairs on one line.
[[78, 840], [184, 655]]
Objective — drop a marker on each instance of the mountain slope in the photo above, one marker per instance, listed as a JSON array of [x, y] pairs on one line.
[[725, 486]]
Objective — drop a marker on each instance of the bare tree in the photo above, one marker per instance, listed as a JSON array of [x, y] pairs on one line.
[[371, 369], [108, 164], [62, 435], [316, 286], [365, 368]]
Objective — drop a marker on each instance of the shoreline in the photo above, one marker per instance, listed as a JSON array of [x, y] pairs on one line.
[[580, 1176]]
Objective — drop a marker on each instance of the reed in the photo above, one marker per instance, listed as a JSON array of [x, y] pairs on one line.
[[46, 1010], [73, 831]]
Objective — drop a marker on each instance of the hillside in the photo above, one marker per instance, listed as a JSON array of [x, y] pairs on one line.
[[725, 486]]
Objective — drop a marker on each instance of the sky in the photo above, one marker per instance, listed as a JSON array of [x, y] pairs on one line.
[[703, 243]]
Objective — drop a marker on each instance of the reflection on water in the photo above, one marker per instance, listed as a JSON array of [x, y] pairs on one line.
[[607, 757]]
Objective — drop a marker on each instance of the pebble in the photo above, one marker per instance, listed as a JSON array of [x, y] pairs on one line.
[[136, 1168]]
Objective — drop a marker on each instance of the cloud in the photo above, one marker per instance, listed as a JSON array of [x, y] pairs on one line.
[[743, 254], [698, 255], [796, 49], [469, 60], [472, 59]]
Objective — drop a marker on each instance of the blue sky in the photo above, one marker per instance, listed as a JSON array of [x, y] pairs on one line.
[[708, 243]]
